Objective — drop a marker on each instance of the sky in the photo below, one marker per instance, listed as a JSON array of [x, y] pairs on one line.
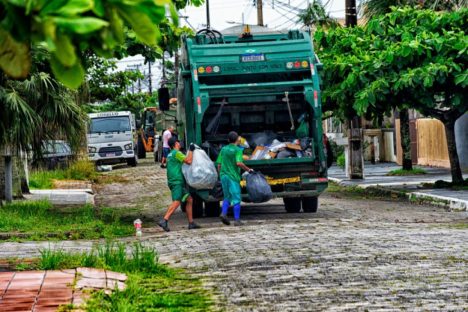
[[277, 14]]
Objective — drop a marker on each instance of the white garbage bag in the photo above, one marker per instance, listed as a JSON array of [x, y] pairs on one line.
[[201, 174]]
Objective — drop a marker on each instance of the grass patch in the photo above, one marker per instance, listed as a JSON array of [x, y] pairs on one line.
[[440, 184], [39, 220], [79, 170], [403, 172], [151, 286], [356, 192]]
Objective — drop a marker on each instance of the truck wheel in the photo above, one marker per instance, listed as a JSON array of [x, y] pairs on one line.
[[197, 207], [212, 209], [132, 162], [141, 149], [292, 205], [310, 204]]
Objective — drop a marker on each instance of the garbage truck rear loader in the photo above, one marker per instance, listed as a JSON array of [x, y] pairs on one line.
[[265, 86]]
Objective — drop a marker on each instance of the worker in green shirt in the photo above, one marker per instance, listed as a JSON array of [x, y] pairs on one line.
[[176, 183], [230, 162]]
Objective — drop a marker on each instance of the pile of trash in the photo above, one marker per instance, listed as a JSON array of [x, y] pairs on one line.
[[276, 149]]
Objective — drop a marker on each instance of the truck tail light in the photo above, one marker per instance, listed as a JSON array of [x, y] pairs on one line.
[[209, 69], [297, 64], [199, 104], [201, 70], [304, 64]]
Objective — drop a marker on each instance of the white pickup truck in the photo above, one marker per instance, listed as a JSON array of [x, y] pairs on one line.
[[112, 138]]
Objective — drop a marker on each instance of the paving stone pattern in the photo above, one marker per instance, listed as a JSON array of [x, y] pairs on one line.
[[333, 265], [355, 254]]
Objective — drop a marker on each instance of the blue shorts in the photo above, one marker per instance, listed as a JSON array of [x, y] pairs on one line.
[[231, 190], [166, 151]]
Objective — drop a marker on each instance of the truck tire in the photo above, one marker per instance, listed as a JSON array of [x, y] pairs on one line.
[[141, 149], [197, 208], [212, 209], [292, 205], [132, 162], [310, 204]]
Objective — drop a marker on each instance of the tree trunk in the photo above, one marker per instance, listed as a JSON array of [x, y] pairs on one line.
[[405, 140], [455, 168], [8, 179]]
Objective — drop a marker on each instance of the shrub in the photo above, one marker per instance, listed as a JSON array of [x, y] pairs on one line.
[[340, 160]]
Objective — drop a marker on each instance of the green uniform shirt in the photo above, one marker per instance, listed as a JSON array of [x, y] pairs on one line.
[[175, 159], [228, 158]]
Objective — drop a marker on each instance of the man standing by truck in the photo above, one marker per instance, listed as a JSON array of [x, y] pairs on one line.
[[166, 148], [230, 162], [176, 183]]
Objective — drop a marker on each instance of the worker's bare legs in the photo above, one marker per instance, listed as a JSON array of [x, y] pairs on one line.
[[172, 207], [189, 209], [170, 210]]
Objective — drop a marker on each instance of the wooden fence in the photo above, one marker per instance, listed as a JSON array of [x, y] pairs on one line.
[[431, 142], [428, 143]]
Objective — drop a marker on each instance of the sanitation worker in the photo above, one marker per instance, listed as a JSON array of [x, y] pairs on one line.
[[230, 163], [176, 183], [167, 135]]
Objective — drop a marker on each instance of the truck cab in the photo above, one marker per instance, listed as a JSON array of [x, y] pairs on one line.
[[112, 138], [264, 86]]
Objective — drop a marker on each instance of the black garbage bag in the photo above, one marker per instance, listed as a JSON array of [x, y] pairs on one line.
[[217, 191], [258, 188]]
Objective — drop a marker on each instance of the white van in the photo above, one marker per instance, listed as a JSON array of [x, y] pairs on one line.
[[112, 138]]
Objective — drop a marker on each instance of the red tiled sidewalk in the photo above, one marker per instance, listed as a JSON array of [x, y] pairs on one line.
[[42, 291]]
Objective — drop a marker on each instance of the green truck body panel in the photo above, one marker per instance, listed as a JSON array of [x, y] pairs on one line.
[[245, 82]]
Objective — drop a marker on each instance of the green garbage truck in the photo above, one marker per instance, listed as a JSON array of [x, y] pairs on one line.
[[266, 87]]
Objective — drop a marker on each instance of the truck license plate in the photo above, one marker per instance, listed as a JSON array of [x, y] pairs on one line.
[[259, 57], [110, 154]]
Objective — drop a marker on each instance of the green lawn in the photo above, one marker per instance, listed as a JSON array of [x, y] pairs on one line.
[[151, 286], [38, 220]]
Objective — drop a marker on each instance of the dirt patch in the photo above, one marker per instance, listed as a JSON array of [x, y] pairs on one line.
[[139, 191]]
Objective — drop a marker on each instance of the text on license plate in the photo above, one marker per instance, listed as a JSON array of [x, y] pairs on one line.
[[259, 57], [110, 154]]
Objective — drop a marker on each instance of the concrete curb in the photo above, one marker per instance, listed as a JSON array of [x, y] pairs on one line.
[[64, 197], [449, 203]]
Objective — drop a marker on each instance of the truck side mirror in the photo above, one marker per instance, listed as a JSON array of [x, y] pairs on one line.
[[163, 97]]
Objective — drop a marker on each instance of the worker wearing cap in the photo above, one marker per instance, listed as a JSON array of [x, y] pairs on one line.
[[230, 162], [176, 183]]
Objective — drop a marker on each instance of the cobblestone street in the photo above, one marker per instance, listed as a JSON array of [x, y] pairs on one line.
[[354, 254]]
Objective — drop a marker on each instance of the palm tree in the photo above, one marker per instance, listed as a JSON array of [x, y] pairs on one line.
[[33, 110], [315, 15]]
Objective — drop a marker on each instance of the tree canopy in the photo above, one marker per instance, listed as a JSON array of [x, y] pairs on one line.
[[409, 58]]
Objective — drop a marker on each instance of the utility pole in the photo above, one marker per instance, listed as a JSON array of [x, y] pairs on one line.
[[259, 13], [355, 162], [350, 15], [208, 14], [150, 82]]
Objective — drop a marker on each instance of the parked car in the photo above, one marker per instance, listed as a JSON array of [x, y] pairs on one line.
[[55, 154]]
